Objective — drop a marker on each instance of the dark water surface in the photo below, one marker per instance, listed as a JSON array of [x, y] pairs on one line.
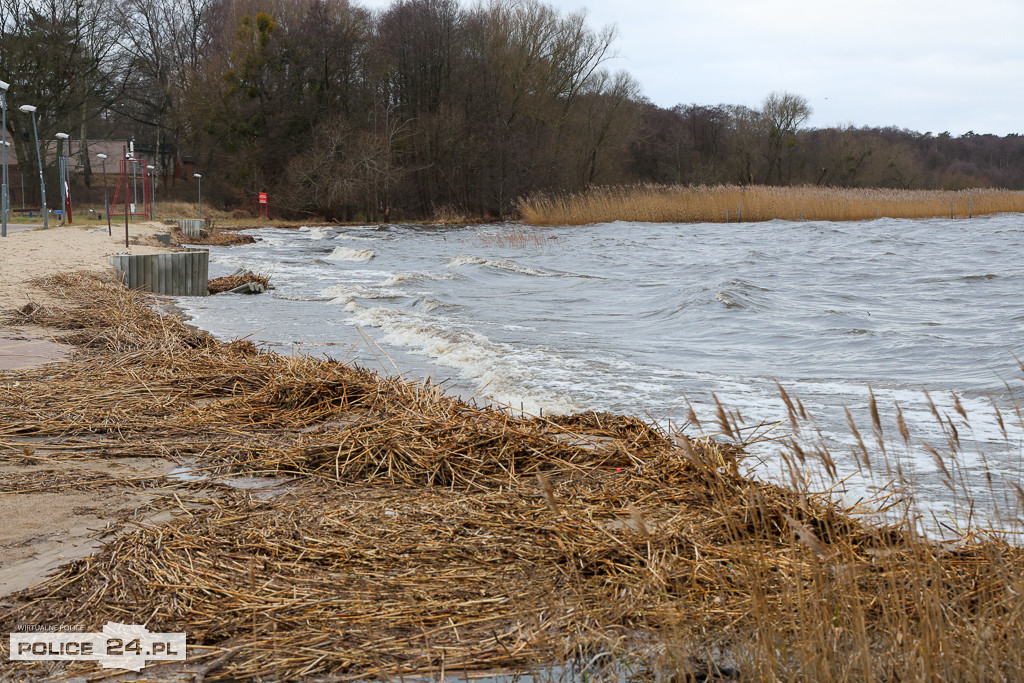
[[643, 318]]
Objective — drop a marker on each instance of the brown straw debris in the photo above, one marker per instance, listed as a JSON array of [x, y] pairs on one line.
[[413, 539]]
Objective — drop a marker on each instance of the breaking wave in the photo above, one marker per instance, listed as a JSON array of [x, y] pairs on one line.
[[727, 300], [346, 294], [505, 372], [419, 275], [346, 254], [314, 233], [504, 264]]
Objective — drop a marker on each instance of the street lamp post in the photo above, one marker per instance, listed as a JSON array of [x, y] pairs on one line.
[[62, 168], [106, 207], [152, 191], [5, 201], [7, 192], [29, 109], [200, 179]]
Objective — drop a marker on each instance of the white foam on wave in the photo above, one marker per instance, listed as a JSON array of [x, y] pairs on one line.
[[316, 233], [504, 373], [345, 294], [428, 304], [347, 254], [505, 264], [727, 301], [353, 238], [418, 275]]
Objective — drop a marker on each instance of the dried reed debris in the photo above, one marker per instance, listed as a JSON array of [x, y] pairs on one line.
[[425, 535]]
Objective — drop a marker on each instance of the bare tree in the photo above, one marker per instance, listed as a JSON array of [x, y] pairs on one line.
[[782, 114], [58, 54]]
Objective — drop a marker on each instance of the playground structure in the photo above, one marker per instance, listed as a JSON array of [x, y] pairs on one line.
[[129, 182]]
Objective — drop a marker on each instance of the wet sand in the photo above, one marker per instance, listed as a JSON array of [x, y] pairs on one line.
[[43, 529]]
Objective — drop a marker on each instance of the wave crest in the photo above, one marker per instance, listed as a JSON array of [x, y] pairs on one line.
[[505, 264], [347, 254]]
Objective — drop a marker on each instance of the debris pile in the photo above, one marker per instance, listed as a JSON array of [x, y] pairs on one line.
[[421, 535]]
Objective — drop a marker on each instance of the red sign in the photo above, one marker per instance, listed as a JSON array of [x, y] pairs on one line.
[[263, 197]]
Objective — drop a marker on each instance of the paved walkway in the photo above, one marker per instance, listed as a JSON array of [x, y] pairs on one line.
[[22, 227], [19, 351]]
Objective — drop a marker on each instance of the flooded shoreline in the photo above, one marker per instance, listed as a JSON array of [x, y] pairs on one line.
[[668, 321], [404, 533]]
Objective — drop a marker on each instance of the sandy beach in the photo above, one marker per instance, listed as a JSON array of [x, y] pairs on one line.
[[26, 255], [39, 531]]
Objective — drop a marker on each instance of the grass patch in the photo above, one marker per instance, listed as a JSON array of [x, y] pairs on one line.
[[729, 203]]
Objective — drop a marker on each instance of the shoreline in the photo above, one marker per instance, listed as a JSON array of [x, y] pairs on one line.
[[416, 534]]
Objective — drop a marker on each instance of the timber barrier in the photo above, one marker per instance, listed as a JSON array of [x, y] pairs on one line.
[[182, 273]]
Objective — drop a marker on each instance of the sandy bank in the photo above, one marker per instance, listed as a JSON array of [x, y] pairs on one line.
[[39, 531], [28, 255]]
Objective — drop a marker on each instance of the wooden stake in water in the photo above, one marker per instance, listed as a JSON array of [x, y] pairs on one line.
[[970, 209], [951, 209], [739, 214]]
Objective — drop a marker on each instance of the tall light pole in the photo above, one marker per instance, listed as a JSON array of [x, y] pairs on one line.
[[5, 201], [62, 167], [200, 179], [152, 191], [29, 109], [7, 192], [106, 207]]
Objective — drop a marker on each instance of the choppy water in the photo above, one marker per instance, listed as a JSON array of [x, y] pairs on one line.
[[643, 318]]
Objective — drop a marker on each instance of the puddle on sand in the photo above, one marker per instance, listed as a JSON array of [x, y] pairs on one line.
[[261, 487]]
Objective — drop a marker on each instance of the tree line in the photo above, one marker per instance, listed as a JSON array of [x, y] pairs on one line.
[[425, 107]]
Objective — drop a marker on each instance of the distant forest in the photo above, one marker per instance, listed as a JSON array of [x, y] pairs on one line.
[[425, 108]]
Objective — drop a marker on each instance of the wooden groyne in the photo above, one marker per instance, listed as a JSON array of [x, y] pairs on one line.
[[183, 273]]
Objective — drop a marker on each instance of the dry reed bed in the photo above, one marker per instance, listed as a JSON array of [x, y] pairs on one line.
[[424, 535], [718, 204]]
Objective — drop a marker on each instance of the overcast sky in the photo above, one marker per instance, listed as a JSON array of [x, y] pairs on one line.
[[925, 65]]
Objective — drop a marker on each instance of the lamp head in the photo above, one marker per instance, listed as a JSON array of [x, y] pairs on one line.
[[4, 86], [196, 175], [101, 156], [150, 167], [63, 136], [27, 108]]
